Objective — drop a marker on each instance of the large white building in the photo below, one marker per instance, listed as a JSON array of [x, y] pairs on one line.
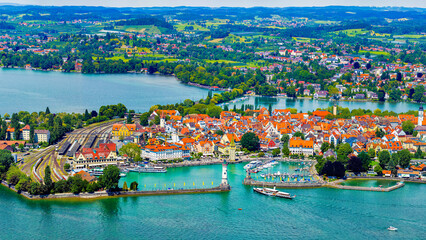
[[299, 146], [165, 152]]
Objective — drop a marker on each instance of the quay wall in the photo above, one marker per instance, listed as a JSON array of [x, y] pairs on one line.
[[337, 184], [251, 182], [105, 194]]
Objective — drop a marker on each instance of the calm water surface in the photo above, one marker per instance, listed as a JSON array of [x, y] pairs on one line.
[[315, 213], [306, 105], [71, 92]]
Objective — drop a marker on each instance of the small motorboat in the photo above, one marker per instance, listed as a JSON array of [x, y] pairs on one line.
[[392, 228]]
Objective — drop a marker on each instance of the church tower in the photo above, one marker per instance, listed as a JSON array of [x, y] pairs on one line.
[[162, 120], [421, 116], [232, 149]]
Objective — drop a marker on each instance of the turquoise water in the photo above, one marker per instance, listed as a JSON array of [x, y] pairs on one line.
[[306, 105], [320, 213], [369, 183], [72, 92]]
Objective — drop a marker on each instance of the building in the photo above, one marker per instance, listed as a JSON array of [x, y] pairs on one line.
[[105, 155], [165, 152], [123, 130], [41, 136], [26, 133], [299, 146]]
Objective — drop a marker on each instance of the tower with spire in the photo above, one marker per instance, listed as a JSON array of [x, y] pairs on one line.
[[421, 116], [162, 120], [232, 149]]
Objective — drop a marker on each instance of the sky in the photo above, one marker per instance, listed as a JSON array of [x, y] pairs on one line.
[[220, 3]]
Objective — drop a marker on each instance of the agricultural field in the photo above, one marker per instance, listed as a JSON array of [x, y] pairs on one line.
[[235, 39], [302, 39], [352, 32], [148, 29], [189, 27], [374, 52], [412, 36]]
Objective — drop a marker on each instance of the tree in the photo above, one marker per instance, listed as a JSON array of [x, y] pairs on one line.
[[131, 149], [144, 119], [365, 160], [285, 139], [47, 110], [125, 188], [276, 152], [343, 151], [408, 127], [381, 95], [325, 146], [384, 158], [339, 169], [129, 118], [47, 178], [371, 152], [67, 166], [250, 141], [380, 133], [378, 169], [110, 177], [419, 153], [299, 134], [357, 65], [404, 158], [286, 151], [134, 186], [214, 111], [13, 175], [6, 159], [355, 164]]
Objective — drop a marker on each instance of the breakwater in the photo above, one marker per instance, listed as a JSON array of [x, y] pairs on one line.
[[337, 184], [106, 194], [250, 182]]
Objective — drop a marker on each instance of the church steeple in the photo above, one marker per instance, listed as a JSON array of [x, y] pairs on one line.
[[421, 116]]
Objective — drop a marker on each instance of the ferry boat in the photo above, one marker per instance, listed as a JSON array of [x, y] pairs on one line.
[[392, 228], [252, 164], [273, 193], [148, 169]]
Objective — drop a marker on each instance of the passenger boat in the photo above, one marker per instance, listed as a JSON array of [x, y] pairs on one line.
[[96, 172], [123, 174], [273, 193], [392, 228], [252, 164], [148, 169]]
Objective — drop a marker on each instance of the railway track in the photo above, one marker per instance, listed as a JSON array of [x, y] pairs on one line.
[[35, 164]]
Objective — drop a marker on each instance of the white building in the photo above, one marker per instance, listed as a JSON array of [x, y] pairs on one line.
[[26, 133], [165, 152], [41, 136]]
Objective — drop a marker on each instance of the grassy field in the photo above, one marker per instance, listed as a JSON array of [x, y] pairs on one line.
[[415, 36], [182, 27], [148, 29], [374, 52], [235, 39], [216, 40], [326, 22], [302, 39], [352, 32]]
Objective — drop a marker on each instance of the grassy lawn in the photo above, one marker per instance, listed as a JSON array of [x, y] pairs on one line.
[[375, 52], [148, 29], [181, 27]]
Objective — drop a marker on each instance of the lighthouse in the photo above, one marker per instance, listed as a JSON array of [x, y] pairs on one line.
[[420, 118], [224, 184]]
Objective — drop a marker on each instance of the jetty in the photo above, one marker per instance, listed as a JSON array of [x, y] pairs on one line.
[[248, 180], [223, 187], [337, 185]]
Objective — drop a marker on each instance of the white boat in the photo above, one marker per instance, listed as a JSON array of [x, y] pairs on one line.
[[252, 164], [273, 193], [392, 228], [123, 174], [148, 169]]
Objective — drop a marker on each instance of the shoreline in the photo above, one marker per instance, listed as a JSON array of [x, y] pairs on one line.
[[223, 89]]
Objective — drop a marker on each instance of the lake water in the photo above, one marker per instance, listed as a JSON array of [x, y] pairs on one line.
[[306, 105], [71, 92], [320, 213]]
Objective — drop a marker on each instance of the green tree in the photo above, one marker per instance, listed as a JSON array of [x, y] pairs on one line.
[[276, 152], [300, 135], [371, 152], [325, 146], [110, 177], [6, 159], [419, 153], [67, 166], [365, 160], [408, 127], [47, 178], [131, 149], [384, 158], [378, 169], [404, 158], [343, 151], [144, 119], [355, 164], [250, 141], [286, 151], [285, 139], [47, 110], [125, 188], [134, 186], [129, 118]]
